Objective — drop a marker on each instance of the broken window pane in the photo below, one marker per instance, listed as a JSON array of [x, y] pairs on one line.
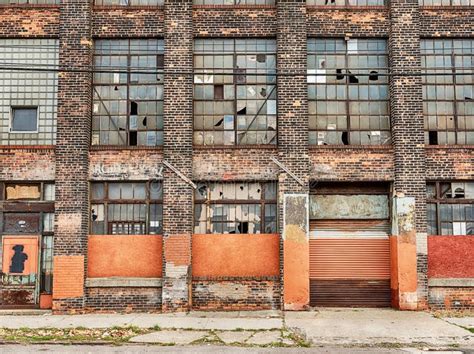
[[235, 208], [128, 107], [455, 206], [234, 2], [235, 92], [348, 94], [448, 95], [129, 2], [125, 208]]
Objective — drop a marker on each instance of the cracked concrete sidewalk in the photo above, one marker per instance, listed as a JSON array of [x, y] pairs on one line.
[[342, 327]]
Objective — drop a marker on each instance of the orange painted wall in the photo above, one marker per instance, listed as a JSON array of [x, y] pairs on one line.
[[235, 255], [451, 256], [125, 256]]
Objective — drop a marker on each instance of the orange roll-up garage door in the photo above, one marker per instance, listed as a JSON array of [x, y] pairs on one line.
[[350, 263]]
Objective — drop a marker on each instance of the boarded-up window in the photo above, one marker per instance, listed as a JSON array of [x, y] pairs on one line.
[[23, 192]]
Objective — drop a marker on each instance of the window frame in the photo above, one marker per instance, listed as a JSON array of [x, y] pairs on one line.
[[160, 3], [128, 84], [235, 4], [235, 84], [438, 200], [12, 117], [454, 71], [347, 85], [207, 203], [347, 5], [106, 201]]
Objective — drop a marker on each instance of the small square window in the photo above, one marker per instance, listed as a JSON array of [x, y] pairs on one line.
[[24, 119]]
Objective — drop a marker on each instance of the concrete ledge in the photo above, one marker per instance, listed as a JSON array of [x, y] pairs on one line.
[[124, 282], [451, 282]]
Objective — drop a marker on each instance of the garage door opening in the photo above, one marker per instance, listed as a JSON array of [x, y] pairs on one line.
[[349, 246]]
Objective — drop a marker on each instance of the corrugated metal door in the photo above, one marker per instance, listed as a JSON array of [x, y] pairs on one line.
[[350, 262]]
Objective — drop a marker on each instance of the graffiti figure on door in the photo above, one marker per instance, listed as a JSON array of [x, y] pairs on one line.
[[18, 260]]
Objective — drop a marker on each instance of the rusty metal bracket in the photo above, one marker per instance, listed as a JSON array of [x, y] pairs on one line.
[[287, 170], [180, 175]]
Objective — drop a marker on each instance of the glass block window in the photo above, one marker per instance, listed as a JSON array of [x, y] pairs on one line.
[[345, 2], [128, 208], [450, 208], [129, 2], [234, 2], [28, 99], [348, 92], [448, 91], [235, 94], [128, 97], [235, 208]]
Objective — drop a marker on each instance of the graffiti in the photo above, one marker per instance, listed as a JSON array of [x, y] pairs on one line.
[[18, 260], [122, 172]]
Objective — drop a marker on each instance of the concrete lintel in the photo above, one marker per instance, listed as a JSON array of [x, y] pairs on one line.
[[451, 282], [123, 282]]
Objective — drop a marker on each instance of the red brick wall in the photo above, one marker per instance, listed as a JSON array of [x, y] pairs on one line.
[[35, 21], [451, 256]]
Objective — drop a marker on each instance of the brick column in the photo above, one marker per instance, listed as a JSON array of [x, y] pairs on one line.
[[72, 157], [408, 142], [178, 150], [293, 151]]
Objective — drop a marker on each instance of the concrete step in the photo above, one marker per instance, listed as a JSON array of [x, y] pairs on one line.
[[24, 312]]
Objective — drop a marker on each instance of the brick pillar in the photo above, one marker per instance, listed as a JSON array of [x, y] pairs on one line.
[[408, 142], [178, 148], [293, 152], [72, 157]]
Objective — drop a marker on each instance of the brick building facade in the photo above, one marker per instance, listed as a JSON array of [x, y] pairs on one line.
[[212, 155]]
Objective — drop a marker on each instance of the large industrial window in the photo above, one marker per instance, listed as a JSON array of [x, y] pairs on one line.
[[17, 200], [234, 2], [235, 208], [235, 95], [345, 2], [448, 91], [28, 98], [446, 2], [129, 2], [128, 208], [450, 208], [29, 2], [348, 92], [128, 93]]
